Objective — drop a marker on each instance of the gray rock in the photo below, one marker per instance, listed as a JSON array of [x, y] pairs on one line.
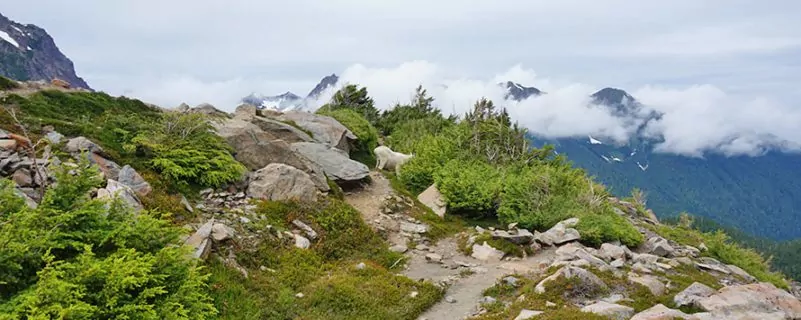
[[712, 264], [279, 182], [611, 252], [399, 248], [305, 228], [413, 227], [22, 177], [324, 129], [450, 299], [200, 241], [110, 169], [752, 301], [28, 200], [54, 137], [115, 190], [256, 149], [517, 236], [335, 164], [485, 252], [487, 300], [432, 199], [186, 204], [510, 280], [694, 293], [559, 234], [586, 278], [609, 310], [526, 314], [302, 242], [433, 257], [741, 273], [208, 109], [3, 134], [660, 312], [619, 263], [659, 246], [361, 266], [653, 284], [221, 232], [80, 144], [129, 177]]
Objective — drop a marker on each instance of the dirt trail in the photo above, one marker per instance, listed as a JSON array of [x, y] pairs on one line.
[[465, 288]]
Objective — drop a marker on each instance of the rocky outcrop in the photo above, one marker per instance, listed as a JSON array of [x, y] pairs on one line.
[[278, 182], [324, 129], [588, 281], [660, 312], [129, 177], [116, 190], [28, 53], [335, 163], [692, 295], [208, 109], [609, 310], [751, 301], [257, 148]]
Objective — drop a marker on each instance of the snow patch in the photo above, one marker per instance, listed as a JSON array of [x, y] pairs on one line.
[[8, 38], [593, 141], [29, 48], [616, 159], [641, 167], [633, 153], [15, 28], [605, 158]]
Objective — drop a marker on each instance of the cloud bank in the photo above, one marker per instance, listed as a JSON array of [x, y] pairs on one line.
[[695, 120]]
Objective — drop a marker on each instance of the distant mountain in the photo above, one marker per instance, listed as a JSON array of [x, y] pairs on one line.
[[27, 52], [325, 83], [517, 92], [285, 101], [759, 195]]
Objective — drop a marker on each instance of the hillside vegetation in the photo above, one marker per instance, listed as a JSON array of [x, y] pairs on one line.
[[78, 257]]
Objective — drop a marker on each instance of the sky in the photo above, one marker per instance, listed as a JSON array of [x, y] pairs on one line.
[[724, 72]]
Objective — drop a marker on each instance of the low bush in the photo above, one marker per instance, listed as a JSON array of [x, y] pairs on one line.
[[470, 188], [596, 229], [73, 257], [7, 84]]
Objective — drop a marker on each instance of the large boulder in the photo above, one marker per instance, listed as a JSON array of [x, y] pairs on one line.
[[256, 149], [485, 252], [609, 310], [129, 177], [335, 163], [516, 236], [752, 301], [659, 246], [323, 128], [653, 284], [277, 182], [281, 130], [80, 144]]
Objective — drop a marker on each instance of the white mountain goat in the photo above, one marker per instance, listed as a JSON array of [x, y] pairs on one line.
[[388, 159]]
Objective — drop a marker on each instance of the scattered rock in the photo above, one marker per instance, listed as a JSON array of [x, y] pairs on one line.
[[413, 294], [361, 266], [487, 300], [611, 252], [200, 240], [433, 257], [619, 263], [526, 314], [560, 233], [280, 182], [336, 164], [221, 232], [432, 199], [8, 144], [413, 227], [741, 273], [450, 299], [712, 264], [116, 190], [399, 248], [586, 278], [299, 295], [186, 204], [22, 177], [609, 310], [510, 280], [129, 177], [659, 246], [660, 312], [54, 137], [694, 293], [302, 242], [305, 228], [517, 236], [653, 284], [485, 252], [79, 144]]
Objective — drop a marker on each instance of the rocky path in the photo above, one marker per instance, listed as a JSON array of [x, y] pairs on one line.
[[441, 263]]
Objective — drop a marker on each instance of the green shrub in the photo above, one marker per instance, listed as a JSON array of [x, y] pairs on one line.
[[7, 84], [407, 136], [367, 134], [721, 247], [74, 257], [354, 98], [469, 188], [596, 229], [185, 149]]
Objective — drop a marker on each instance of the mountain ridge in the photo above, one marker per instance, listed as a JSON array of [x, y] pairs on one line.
[[28, 52]]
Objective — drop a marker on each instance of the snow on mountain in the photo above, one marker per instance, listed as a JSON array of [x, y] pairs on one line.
[[593, 141], [5, 36]]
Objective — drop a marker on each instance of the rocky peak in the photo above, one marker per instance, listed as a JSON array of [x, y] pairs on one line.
[[518, 92], [27, 52], [325, 83]]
